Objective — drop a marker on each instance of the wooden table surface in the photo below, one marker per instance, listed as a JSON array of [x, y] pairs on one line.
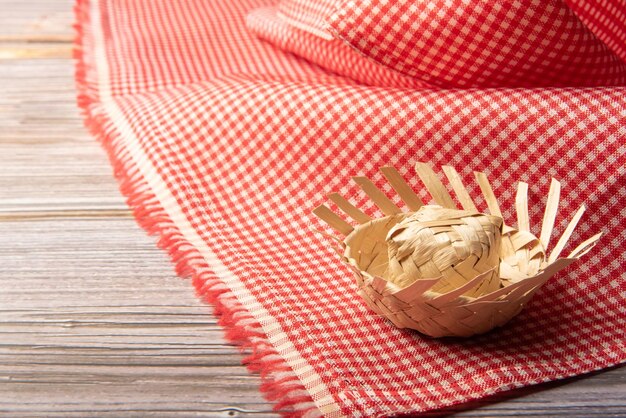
[[93, 320]]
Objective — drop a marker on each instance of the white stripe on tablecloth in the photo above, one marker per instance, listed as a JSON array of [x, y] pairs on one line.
[[272, 328]]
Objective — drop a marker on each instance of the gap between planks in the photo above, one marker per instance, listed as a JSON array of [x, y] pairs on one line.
[[64, 214]]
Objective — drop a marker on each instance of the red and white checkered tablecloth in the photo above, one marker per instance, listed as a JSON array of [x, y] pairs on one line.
[[224, 143]]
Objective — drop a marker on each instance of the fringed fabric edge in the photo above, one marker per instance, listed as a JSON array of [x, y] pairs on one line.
[[280, 385]]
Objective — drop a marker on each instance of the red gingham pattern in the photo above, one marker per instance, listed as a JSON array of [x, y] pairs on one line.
[[307, 15], [332, 54], [215, 36], [486, 43], [249, 144], [606, 19]]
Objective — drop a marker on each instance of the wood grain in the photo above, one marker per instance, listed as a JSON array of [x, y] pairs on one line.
[[48, 161], [36, 50], [93, 321], [101, 324], [36, 20]]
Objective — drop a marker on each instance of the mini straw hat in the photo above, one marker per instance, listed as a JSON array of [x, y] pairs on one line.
[[445, 271]]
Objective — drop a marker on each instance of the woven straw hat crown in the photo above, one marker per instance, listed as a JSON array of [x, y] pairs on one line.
[[455, 245]]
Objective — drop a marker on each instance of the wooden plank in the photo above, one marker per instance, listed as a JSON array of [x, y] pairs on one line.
[[48, 160], [93, 320], [13, 50], [36, 20]]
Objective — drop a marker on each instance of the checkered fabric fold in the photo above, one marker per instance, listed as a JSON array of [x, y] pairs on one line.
[[461, 43], [224, 143], [605, 19], [485, 43]]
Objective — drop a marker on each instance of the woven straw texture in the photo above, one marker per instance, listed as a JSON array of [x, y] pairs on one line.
[[445, 271], [223, 144], [438, 242]]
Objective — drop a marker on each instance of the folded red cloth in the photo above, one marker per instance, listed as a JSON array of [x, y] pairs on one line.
[[461, 43], [223, 144], [606, 20]]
